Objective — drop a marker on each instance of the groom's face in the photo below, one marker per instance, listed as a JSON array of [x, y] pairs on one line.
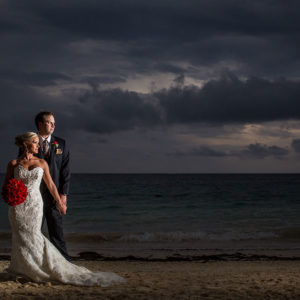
[[47, 126]]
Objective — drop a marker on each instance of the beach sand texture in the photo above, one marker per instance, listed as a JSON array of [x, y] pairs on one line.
[[171, 280]]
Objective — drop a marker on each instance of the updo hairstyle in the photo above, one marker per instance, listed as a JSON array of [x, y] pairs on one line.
[[24, 138]]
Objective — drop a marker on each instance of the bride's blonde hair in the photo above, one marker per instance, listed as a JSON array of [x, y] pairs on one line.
[[24, 138]]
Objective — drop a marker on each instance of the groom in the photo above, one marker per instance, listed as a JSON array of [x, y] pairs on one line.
[[55, 151]]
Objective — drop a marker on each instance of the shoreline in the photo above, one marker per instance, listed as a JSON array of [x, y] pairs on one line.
[[225, 257], [185, 250]]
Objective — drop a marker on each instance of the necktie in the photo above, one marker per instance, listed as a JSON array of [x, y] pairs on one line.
[[45, 148]]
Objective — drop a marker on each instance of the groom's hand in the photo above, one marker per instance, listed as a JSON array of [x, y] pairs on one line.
[[63, 199], [61, 208], [63, 204]]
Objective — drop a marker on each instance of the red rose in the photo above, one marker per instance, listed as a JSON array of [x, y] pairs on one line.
[[14, 192], [55, 145]]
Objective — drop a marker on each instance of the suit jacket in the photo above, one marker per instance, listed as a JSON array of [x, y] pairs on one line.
[[58, 161]]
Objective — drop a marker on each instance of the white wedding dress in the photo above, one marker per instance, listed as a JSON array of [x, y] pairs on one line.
[[33, 255]]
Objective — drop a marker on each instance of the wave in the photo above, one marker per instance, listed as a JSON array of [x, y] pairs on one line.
[[142, 237], [194, 236], [284, 234]]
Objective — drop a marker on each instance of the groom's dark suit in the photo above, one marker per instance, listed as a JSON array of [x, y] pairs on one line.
[[58, 161]]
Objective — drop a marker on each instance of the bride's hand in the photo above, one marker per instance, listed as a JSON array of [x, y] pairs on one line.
[[62, 208]]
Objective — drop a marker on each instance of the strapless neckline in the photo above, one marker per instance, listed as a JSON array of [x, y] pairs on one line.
[[31, 169]]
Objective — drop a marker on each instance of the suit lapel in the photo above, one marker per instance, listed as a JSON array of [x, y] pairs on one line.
[[40, 153], [51, 150]]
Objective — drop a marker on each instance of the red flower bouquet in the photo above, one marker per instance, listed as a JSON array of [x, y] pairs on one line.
[[14, 192]]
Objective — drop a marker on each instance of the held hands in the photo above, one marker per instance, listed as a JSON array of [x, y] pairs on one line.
[[61, 208], [62, 205], [63, 199]]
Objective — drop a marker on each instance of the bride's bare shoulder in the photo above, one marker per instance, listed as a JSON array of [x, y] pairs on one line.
[[42, 163]]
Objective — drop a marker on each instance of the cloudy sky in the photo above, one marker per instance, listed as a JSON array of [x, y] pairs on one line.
[[156, 86]]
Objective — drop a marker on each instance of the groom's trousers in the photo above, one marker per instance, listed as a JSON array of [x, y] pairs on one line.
[[55, 228], [54, 222]]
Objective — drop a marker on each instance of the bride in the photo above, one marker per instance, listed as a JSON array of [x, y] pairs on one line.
[[33, 255]]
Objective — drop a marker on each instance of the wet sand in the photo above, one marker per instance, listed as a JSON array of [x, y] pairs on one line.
[[272, 279]]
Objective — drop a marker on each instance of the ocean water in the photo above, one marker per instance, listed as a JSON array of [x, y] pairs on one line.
[[146, 214]]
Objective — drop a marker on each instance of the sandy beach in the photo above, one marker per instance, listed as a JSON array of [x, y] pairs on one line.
[[171, 280]]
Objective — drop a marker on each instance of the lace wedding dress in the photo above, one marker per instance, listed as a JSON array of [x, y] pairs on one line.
[[33, 255]]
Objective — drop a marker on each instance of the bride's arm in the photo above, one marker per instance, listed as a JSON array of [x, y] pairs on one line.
[[52, 188]]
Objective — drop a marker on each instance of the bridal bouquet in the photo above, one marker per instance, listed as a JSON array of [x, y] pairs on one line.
[[14, 192]]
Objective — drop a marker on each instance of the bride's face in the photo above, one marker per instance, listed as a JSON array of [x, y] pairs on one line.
[[34, 145]]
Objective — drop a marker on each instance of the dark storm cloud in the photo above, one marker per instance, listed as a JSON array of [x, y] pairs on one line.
[[228, 100], [257, 151], [168, 68], [32, 78], [188, 20], [201, 151], [258, 37], [95, 80], [207, 151], [296, 145], [231, 100], [63, 55], [41, 45], [261, 151], [113, 110]]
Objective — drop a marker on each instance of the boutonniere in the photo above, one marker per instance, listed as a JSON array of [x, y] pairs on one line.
[[55, 145]]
